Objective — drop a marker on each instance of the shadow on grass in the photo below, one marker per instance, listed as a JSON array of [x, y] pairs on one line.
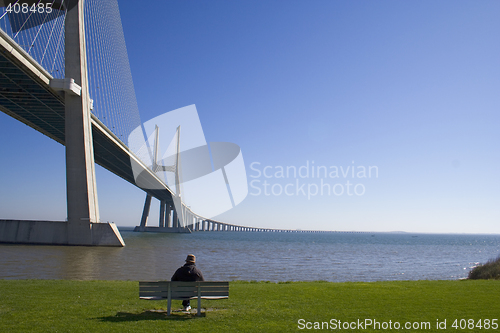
[[149, 315]]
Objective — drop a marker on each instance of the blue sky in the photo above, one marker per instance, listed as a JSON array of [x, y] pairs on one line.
[[408, 87]]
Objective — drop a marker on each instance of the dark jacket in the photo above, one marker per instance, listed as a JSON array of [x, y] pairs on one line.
[[188, 272]]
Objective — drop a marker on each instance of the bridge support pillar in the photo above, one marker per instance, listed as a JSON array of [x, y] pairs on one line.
[[145, 212], [161, 222], [168, 210], [175, 220], [82, 205]]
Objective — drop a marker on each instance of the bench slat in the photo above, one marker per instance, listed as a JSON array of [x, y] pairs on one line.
[[185, 293], [160, 283], [192, 290], [156, 298], [202, 288]]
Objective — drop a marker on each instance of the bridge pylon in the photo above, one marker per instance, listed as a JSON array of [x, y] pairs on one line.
[[82, 205], [167, 209]]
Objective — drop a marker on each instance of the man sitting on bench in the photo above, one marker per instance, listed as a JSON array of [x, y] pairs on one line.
[[189, 272]]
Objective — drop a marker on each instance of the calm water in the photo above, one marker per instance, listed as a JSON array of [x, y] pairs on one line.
[[258, 256]]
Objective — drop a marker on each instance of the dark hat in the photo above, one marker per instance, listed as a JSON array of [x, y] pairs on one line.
[[191, 258]]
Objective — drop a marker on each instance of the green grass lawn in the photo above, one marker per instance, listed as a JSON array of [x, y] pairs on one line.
[[114, 306]]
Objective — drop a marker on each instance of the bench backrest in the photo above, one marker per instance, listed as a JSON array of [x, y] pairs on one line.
[[184, 290]]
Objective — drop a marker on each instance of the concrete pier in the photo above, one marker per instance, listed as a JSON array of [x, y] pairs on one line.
[[55, 233]]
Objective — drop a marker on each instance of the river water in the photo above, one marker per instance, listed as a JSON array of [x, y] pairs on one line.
[[258, 256]]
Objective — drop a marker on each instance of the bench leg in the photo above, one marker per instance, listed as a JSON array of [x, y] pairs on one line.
[[199, 300], [169, 302]]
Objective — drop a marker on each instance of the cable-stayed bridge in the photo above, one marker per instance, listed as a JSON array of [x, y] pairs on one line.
[[64, 71]]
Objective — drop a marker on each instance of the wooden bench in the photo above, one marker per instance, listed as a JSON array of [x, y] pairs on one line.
[[160, 290]]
